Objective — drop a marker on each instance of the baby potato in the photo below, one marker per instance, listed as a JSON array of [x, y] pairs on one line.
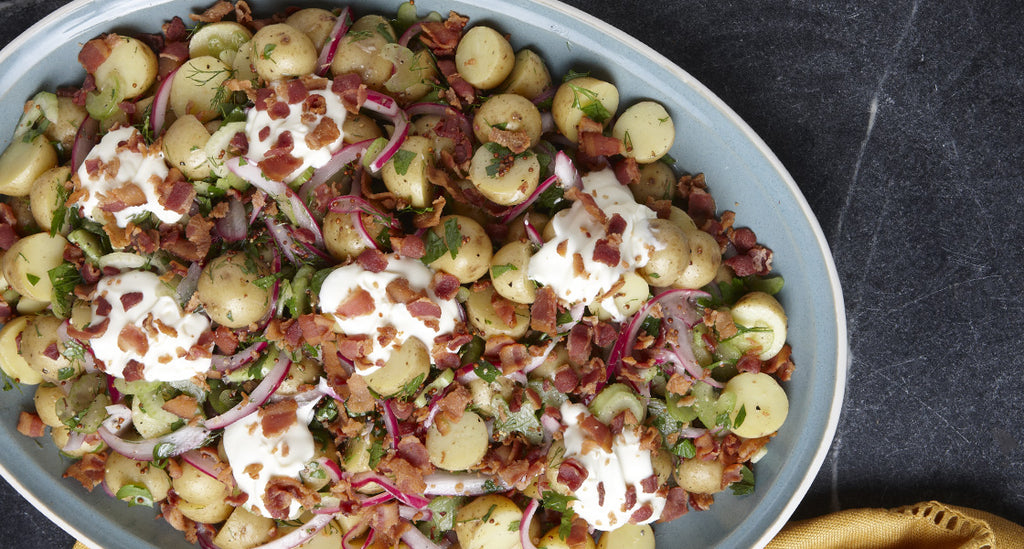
[[761, 400], [657, 182], [45, 401], [196, 88], [473, 258], [665, 265], [69, 118], [242, 64], [62, 434], [221, 40], [122, 471], [482, 316], [409, 361], [509, 267], [635, 536], [359, 127], [130, 68], [489, 522], [185, 147], [484, 58], [763, 312], [243, 530], [227, 289], [646, 130], [517, 228], [11, 361], [27, 264], [23, 162], [199, 487], [628, 299], [506, 181], [413, 75], [361, 51], [316, 23], [342, 238], [509, 112], [36, 339], [554, 540], [700, 476], [44, 198], [281, 51], [705, 257], [682, 220], [529, 77], [405, 174], [425, 125], [577, 96], [457, 446]]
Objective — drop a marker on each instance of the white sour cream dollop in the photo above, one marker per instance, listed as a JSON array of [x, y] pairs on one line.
[[256, 458], [145, 169], [627, 465], [577, 232], [344, 280], [153, 309]]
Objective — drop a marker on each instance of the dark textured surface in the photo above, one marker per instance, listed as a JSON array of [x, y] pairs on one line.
[[901, 123]]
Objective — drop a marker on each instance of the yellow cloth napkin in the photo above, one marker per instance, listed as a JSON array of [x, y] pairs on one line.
[[930, 525]]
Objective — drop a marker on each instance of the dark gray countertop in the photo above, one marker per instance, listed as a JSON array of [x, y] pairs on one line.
[[901, 123]]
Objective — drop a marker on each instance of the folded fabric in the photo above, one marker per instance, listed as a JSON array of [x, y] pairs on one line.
[[930, 525]]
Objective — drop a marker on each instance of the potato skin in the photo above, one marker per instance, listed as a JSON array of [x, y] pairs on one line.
[[281, 51], [646, 130], [228, 291], [484, 58], [184, 146], [27, 264], [473, 258], [575, 95], [196, 86]]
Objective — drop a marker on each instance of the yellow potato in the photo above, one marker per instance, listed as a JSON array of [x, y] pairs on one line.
[[657, 182], [510, 112], [700, 476], [762, 402], [184, 146], [473, 257], [27, 264], [36, 339], [121, 470], [489, 522], [221, 40], [665, 264], [405, 174], [408, 362], [705, 257], [463, 444], [244, 530], [764, 314], [646, 130], [281, 51], [484, 58], [317, 23], [634, 536], [509, 267], [23, 162], [480, 310], [11, 361], [69, 118], [629, 298], [529, 77], [197, 88], [580, 96], [199, 487], [506, 181], [44, 198], [45, 401], [227, 289], [131, 67]]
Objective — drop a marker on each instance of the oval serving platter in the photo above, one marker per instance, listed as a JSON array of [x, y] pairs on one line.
[[742, 173]]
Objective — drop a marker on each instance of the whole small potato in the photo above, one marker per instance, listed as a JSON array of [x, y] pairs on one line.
[[761, 401], [45, 400], [23, 162], [184, 146], [28, 262], [359, 127], [121, 471], [317, 23], [483, 317], [657, 182], [36, 341], [484, 58], [281, 51], [197, 88], [405, 174], [44, 199], [682, 220], [508, 112], [765, 315], [227, 289], [503, 178], [473, 257], [646, 131], [199, 487], [578, 97], [700, 476], [530, 76], [362, 51], [509, 267], [341, 237], [457, 446], [665, 264], [705, 257]]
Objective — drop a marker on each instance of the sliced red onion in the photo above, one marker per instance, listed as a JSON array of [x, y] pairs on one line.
[[85, 139], [550, 424], [691, 432], [412, 500], [461, 484], [115, 396], [531, 232], [282, 238], [413, 514], [74, 443], [331, 467], [467, 373], [258, 396], [566, 172], [205, 460], [443, 111], [345, 156], [188, 285], [409, 33], [333, 41], [677, 302], [204, 535], [524, 524], [299, 535], [547, 122], [180, 441], [514, 211], [390, 421], [326, 389], [381, 104], [536, 361], [119, 419], [416, 540], [398, 136], [160, 100], [548, 93], [223, 363], [290, 203], [233, 226]]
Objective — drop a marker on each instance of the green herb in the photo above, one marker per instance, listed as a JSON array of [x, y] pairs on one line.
[[163, 450], [501, 158], [486, 371], [746, 484], [402, 159], [572, 75], [472, 351], [452, 236], [498, 270], [327, 412], [627, 142], [558, 503], [135, 494], [66, 372], [685, 449], [523, 421], [60, 212], [413, 386], [376, 453], [38, 129], [267, 50], [383, 238], [552, 199], [443, 510], [435, 247], [358, 35], [592, 106], [32, 279], [383, 30], [741, 415], [668, 159], [265, 282], [74, 352], [513, 526], [563, 317], [650, 326], [64, 278]]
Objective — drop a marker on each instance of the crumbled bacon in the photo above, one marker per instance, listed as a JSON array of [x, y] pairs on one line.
[[89, 470], [30, 425], [606, 250], [444, 285], [387, 525], [544, 311], [504, 309], [464, 90], [781, 365], [277, 417], [627, 171], [572, 474], [443, 36], [132, 339], [675, 505], [96, 51], [351, 90], [281, 491], [565, 379], [372, 260], [398, 291], [424, 309], [214, 13], [455, 402], [176, 193], [589, 204], [130, 299], [642, 514], [279, 166], [358, 303], [599, 433], [580, 343], [325, 133], [517, 141], [183, 406]]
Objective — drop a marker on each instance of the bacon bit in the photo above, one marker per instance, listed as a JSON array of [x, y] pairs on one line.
[[358, 303], [176, 193], [505, 309], [325, 133], [604, 334], [443, 37], [743, 239], [354, 347], [565, 379], [175, 29], [172, 514], [30, 425], [410, 246], [315, 328], [51, 352], [281, 491], [700, 205], [122, 197], [372, 260], [707, 448], [133, 371], [387, 525], [214, 13], [597, 432], [642, 514], [453, 404], [279, 166], [132, 339], [701, 502], [96, 51], [464, 90], [578, 538], [780, 365], [678, 384], [279, 110], [749, 363], [627, 171], [572, 474], [579, 343], [360, 400], [314, 106], [514, 358], [544, 311], [595, 144], [445, 285], [7, 236], [89, 332], [650, 484], [675, 505], [295, 91], [589, 204], [130, 300], [517, 141], [351, 90], [89, 470], [424, 309], [412, 450], [183, 406], [398, 291], [226, 340], [606, 250], [277, 417]]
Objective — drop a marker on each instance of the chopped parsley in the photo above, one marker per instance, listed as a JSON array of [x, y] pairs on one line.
[[436, 246], [498, 270], [64, 278], [590, 104], [486, 371], [402, 159], [746, 484], [553, 501]]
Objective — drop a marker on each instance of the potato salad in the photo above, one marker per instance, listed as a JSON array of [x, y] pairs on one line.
[[324, 278]]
